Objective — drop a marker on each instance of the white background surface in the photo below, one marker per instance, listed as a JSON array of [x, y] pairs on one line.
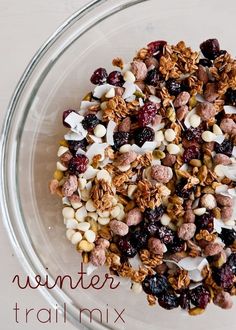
[[24, 26]]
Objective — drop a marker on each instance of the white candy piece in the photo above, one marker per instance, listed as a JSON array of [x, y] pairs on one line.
[[129, 76], [121, 215], [173, 149], [111, 93], [165, 219], [69, 233], [103, 105], [131, 189], [81, 214], [115, 211], [76, 238], [82, 183], [100, 130], [199, 211], [136, 288], [104, 175], [71, 224], [208, 136], [76, 205], [61, 167], [195, 120], [85, 195], [217, 130], [123, 168], [83, 226], [125, 148], [170, 135], [103, 221], [93, 215], [68, 212], [90, 236], [90, 207], [159, 136], [219, 170], [61, 151], [103, 214]]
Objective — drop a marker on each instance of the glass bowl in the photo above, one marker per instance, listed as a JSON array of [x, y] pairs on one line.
[[56, 79]]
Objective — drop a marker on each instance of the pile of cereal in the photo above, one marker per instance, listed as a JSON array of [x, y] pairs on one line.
[[147, 174]]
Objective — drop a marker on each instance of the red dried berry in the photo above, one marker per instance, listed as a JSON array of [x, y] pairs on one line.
[[193, 134], [230, 97], [226, 147], [115, 78], [147, 113], [191, 153], [210, 48], [156, 46], [125, 247], [120, 138], [152, 77], [165, 234], [64, 115], [205, 221], [90, 121], [200, 297], [224, 276], [174, 87], [232, 262], [168, 300], [155, 284], [143, 134], [153, 215], [99, 76], [78, 164], [75, 145]]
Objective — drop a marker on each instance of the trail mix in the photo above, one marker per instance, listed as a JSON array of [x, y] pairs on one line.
[[147, 174]]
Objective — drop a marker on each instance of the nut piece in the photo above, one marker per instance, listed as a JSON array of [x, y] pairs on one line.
[[222, 159], [208, 201], [205, 110], [139, 69], [53, 185], [155, 246], [119, 228], [213, 249], [134, 217], [224, 200], [181, 99], [169, 160], [98, 256], [125, 125], [181, 112], [228, 125], [202, 74], [102, 243], [70, 186], [126, 158], [189, 216], [223, 299], [187, 231], [211, 92], [162, 174], [226, 213]]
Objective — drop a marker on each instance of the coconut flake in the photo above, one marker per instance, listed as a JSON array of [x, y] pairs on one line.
[[130, 89], [219, 224], [88, 185], [230, 171], [234, 151], [221, 189], [154, 99], [200, 98], [96, 149], [84, 105], [110, 131], [135, 262], [141, 103], [73, 119], [232, 192], [66, 201], [74, 136], [134, 178], [219, 138], [95, 138], [99, 114], [195, 203], [195, 275], [230, 110], [186, 120], [184, 167], [90, 173], [101, 90], [189, 263]]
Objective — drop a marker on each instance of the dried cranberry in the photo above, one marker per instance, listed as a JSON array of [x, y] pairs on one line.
[[155, 214], [150, 228], [200, 297], [139, 239], [156, 46], [78, 164], [155, 284], [181, 191], [99, 76], [173, 87], [205, 62], [205, 221], [191, 153], [143, 134], [184, 299], [226, 147], [176, 246], [147, 113], [152, 77], [228, 236], [230, 97], [125, 247], [90, 121], [224, 276], [65, 114], [210, 48], [115, 78], [165, 234], [75, 145], [193, 134], [120, 138], [232, 262], [168, 300]]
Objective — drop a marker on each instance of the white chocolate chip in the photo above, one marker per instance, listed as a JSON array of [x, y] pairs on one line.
[[61, 151], [81, 214], [123, 168], [103, 221], [103, 105], [71, 224], [83, 226], [199, 211], [217, 130], [114, 201], [159, 136], [165, 219], [85, 195], [76, 205], [93, 215], [121, 215], [131, 189], [115, 211], [76, 238], [111, 93], [208, 136], [90, 236], [90, 207], [104, 175], [125, 148], [104, 214], [170, 135], [82, 183], [68, 212], [195, 120], [69, 233], [100, 130], [173, 149], [129, 76], [61, 167], [136, 287]]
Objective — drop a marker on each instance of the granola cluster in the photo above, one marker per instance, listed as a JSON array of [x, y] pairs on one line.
[[147, 174]]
